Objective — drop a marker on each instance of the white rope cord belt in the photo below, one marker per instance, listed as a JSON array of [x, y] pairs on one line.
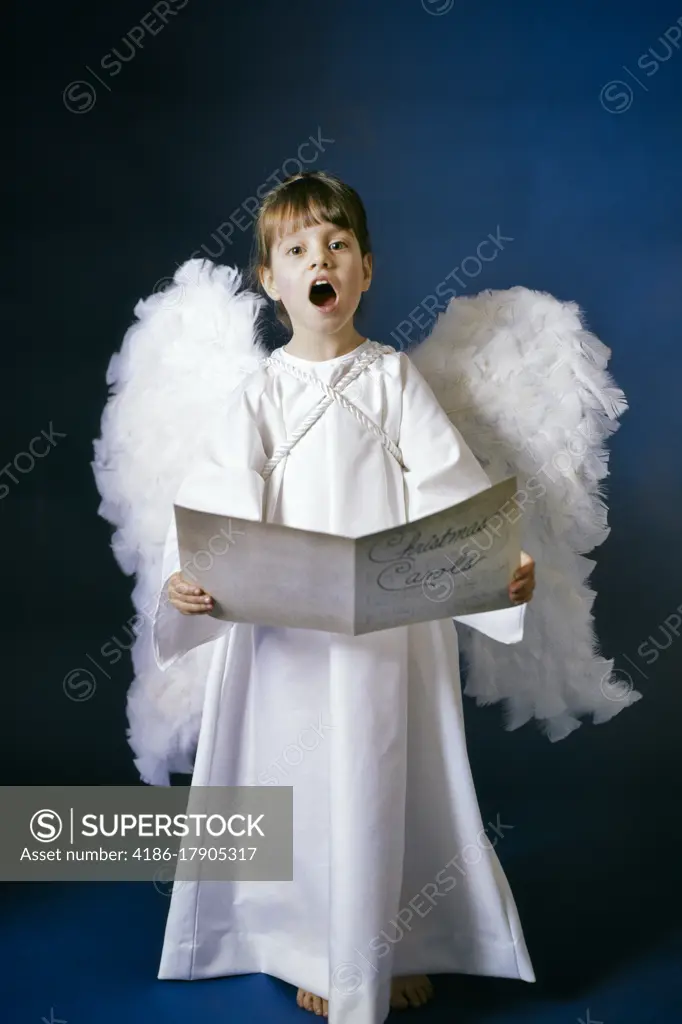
[[332, 394]]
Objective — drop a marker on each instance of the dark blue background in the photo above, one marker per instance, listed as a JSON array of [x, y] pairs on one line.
[[489, 115]]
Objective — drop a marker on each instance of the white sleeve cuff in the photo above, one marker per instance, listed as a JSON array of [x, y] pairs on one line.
[[174, 634]]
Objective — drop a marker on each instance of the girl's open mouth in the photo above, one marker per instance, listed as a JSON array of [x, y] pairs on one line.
[[323, 296]]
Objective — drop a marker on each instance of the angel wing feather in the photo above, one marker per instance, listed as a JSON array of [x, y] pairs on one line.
[[526, 384], [189, 347]]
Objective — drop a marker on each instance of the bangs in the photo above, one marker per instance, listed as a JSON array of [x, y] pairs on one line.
[[302, 207]]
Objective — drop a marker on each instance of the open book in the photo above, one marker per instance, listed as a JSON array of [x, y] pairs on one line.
[[458, 561]]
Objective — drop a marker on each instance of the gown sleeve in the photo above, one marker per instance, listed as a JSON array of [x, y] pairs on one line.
[[226, 480], [441, 470]]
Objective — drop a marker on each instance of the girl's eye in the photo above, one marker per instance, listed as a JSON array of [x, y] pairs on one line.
[[339, 241], [293, 248]]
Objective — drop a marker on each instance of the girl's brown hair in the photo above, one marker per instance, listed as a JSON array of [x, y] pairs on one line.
[[304, 199]]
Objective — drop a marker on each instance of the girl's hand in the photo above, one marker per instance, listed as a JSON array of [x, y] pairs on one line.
[[523, 583], [187, 597]]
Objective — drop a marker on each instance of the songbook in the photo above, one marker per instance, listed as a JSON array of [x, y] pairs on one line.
[[456, 562]]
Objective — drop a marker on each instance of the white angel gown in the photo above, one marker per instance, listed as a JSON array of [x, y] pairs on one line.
[[394, 870]]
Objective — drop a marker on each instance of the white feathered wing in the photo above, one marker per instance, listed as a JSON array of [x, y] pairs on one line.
[[190, 346], [527, 386], [521, 379]]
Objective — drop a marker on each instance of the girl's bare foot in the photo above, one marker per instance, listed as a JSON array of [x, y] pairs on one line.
[[410, 990], [315, 1004]]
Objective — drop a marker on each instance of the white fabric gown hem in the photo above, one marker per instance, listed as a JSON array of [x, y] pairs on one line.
[[279, 960]]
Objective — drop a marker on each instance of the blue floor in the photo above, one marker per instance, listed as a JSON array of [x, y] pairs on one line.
[[590, 847], [85, 953]]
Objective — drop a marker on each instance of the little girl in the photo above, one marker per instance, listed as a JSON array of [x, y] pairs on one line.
[[384, 803]]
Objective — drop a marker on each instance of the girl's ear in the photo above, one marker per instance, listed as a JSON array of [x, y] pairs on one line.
[[268, 282], [367, 268]]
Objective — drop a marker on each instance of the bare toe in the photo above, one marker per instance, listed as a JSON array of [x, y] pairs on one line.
[[413, 997], [410, 991], [425, 989], [309, 1001]]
